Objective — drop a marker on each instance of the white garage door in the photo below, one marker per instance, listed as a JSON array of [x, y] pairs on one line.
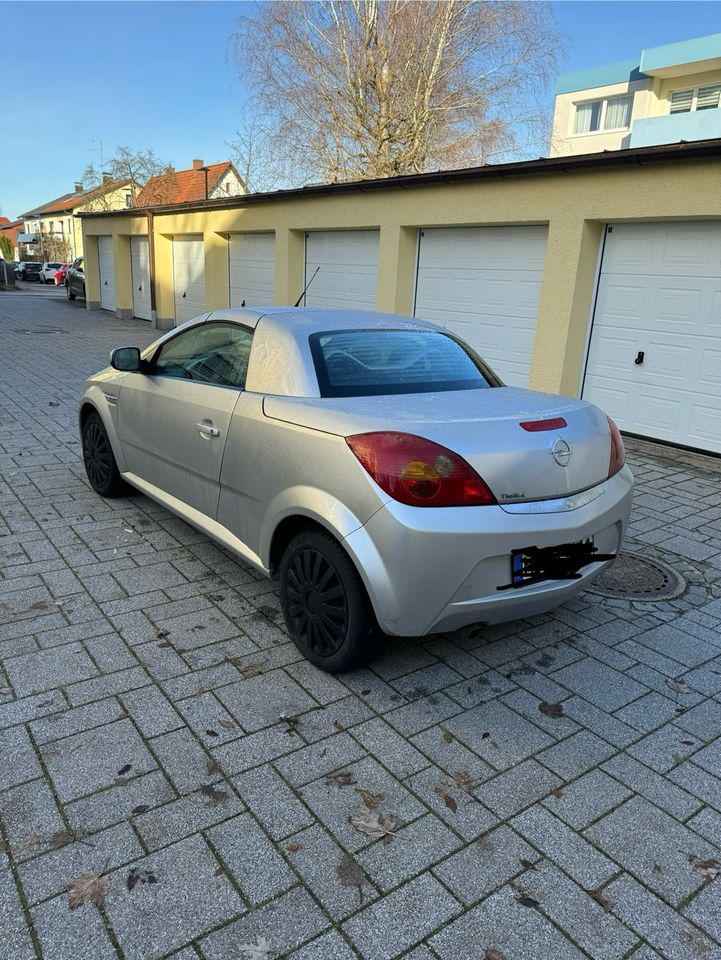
[[348, 274], [483, 283], [106, 265], [659, 303], [140, 267], [188, 277], [251, 268]]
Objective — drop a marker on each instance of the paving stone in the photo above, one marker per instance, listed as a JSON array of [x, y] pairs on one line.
[[49, 874], [319, 759], [92, 760], [402, 919], [15, 940], [77, 720], [575, 755], [665, 748], [210, 721], [586, 799], [251, 858], [511, 739], [190, 814], [480, 689], [416, 847], [450, 754], [653, 847], [529, 707], [581, 917], [272, 802], [387, 746], [659, 790], [601, 685], [107, 807], [426, 681], [19, 762], [31, 708], [285, 923], [501, 924], [78, 933], [329, 946], [182, 758], [422, 713], [335, 717], [517, 788], [470, 818], [710, 758], [189, 899], [261, 701], [657, 923], [678, 645], [45, 669], [568, 849], [704, 912], [30, 817], [702, 784], [333, 802], [151, 711], [481, 867], [255, 749], [702, 721], [648, 712], [107, 686], [708, 824], [149, 577]]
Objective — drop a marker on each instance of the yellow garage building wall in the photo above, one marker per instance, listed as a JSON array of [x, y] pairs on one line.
[[575, 205]]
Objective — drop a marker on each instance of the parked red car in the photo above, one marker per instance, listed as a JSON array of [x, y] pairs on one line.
[[60, 275]]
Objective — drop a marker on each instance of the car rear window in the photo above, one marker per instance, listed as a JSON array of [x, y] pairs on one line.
[[360, 363]]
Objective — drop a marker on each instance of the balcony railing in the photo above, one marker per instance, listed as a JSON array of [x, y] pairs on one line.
[[675, 127]]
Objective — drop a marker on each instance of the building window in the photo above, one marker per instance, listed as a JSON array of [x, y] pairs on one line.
[[128, 199], [696, 98], [595, 115]]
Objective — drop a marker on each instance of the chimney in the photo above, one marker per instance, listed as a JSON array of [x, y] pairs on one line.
[[197, 164], [78, 187], [107, 178]]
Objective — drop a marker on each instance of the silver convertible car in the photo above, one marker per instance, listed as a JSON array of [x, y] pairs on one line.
[[372, 463]]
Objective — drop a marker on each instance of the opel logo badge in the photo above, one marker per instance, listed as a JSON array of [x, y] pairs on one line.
[[561, 452]]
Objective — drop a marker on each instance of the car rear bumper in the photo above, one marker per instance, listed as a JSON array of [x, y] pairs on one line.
[[431, 570]]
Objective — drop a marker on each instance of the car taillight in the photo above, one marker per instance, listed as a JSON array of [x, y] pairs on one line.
[[419, 472], [618, 452]]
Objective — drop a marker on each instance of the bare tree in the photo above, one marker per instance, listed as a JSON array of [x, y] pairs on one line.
[[133, 167], [258, 155], [376, 88]]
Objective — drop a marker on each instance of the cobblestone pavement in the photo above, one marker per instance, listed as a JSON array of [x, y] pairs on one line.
[[158, 728]]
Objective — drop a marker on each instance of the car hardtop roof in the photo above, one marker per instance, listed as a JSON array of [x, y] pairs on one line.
[[308, 320]]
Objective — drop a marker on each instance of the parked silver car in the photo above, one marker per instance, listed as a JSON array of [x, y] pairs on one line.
[[372, 463]]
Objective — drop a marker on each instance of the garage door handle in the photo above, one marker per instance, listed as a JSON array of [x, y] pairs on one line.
[[183, 296], [639, 358], [207, 429]]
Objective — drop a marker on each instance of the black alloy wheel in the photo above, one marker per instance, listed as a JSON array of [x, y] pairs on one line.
[[100, 466], [325, 604]]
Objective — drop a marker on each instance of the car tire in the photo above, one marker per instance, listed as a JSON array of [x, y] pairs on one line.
[[100, 466], [71, 296], [325, 605], [82, 295]]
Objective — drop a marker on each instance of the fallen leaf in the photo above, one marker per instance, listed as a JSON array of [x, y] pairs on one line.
[[217, 597], [29, 845], [657, 868], [212, 767], [53, 403], [448, 736], [341, 778], [251, 670], [291, 723], [485, 735], [494, 955], [678, 686], [339, 726], [688, 743], [256, 951], [214, 795], [88, 888], [137, 876], [227, 724], [556, 792], [447, 799], [350, 874], [526, 864], [373, 824], [371, 800], [526, 901], [61, 838], [364, 693], [710, 866], [141, 808], [293, 847], [462, 779], [212, 733], [551, 709], [602, 901], [125, 769]]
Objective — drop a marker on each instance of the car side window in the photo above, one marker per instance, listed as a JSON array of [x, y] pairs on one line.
[[214, 353]]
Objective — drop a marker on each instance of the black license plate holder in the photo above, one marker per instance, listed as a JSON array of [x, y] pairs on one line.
[[562, 562]]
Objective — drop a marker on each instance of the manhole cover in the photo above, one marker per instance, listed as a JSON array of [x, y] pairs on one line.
[[40, 330], [633, 577]]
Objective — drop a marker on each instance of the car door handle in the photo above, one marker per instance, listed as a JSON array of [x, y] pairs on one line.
[[207, 429]]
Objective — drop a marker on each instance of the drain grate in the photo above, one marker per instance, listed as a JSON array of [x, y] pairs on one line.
[[634, 577]]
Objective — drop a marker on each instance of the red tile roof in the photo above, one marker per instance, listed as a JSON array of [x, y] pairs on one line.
[[4, 221], [181, 186]]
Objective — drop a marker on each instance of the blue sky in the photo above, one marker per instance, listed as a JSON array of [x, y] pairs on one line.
[[160, 75]]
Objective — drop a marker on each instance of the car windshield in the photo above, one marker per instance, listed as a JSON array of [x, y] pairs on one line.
[[360, 363]]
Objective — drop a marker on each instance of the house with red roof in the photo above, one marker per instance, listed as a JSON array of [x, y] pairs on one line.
[[200, 182]]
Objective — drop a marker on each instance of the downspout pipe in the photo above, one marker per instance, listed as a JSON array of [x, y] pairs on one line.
[[151, 270]]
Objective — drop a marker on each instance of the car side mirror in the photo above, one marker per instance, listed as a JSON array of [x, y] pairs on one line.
[[126, 359]]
